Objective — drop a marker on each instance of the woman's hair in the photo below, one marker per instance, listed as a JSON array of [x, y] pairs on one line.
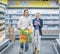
[[37, 13]]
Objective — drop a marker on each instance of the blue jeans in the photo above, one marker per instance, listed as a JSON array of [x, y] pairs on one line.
[[24, 46]]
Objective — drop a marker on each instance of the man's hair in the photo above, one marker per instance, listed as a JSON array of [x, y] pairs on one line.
[[25, 10], [38, 13]]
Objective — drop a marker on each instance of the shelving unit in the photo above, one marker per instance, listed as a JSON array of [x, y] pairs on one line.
[[4, 42], [2, 22], [56, 46], [50, 17]]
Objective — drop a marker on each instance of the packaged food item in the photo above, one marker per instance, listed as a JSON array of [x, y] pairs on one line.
[[3, 31], [1, 15], [1, 22], [1, 8], [2, 38], [2, 26]]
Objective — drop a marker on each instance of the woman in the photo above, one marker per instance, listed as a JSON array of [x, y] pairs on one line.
[[37, 23]]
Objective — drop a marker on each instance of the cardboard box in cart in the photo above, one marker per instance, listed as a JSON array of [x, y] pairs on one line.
[[11, 33]]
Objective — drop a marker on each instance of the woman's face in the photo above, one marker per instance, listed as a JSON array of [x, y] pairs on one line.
[[37, 15]]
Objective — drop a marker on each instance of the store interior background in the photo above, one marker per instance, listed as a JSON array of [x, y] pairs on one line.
[[12, 10]]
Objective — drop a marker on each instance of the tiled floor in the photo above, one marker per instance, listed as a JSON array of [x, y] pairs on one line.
[[46, 48]]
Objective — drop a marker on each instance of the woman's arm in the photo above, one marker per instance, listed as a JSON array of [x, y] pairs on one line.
[[41, 23]]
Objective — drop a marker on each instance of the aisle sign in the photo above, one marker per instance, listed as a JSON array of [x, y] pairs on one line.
[[59, 1], [1, 1], [31, 4], [4, 1], [17, 3], [24, 3], [39, 3]]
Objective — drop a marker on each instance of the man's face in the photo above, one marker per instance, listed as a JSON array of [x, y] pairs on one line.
[[37, 15], [26, 13]]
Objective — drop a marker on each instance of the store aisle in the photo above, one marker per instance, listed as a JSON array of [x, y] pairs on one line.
[[14, 49], [46, 48]]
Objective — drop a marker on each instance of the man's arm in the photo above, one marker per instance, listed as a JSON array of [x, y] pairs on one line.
[[31, 25], [19, 23]]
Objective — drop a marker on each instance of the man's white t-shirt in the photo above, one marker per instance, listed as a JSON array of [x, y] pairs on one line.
[[24, 22]]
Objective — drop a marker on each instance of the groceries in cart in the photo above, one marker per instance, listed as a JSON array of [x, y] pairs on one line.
[[25, 35]]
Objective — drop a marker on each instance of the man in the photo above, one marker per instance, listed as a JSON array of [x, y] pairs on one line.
[[37, 23], [24, 23]]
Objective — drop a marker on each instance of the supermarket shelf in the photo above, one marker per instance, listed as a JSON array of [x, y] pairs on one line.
[[3, 51], [41, 18], [7, 46], [54, 23], [2, 18], [57, 40], [3, 44], [19, 14], [12, 23], [50, 32], [44, 36], [2, 21], [13, 19], [55, 48], [54, 18], [48, 37], [32, 7], [2, 11], [2, 29], [17, 36], [50, 19], [50, 26], [46, 31], [2, 26], [58, 45], [3, 5]]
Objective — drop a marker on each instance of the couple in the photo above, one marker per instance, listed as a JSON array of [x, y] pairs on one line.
[[26, 22]]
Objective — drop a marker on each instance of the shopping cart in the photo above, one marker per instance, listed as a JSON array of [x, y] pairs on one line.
[[25, 36]]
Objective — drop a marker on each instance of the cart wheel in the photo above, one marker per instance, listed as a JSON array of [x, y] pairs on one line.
[[20, 53], [35, 51], [38, 52]]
